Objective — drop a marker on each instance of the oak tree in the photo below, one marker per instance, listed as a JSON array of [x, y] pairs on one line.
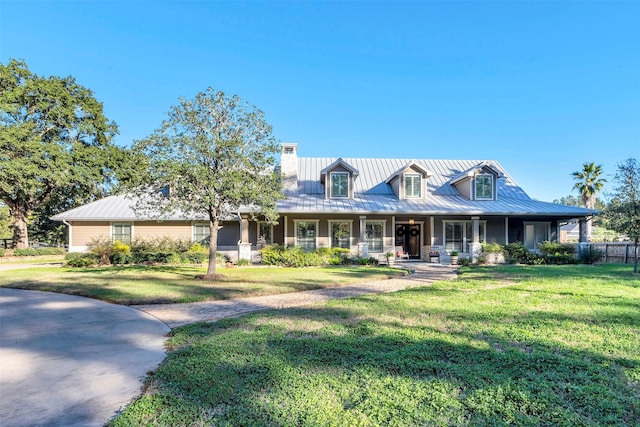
[[216, 153], [623, 210], [55, 142]]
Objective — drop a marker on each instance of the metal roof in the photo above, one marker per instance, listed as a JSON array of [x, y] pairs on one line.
[[372, 194]]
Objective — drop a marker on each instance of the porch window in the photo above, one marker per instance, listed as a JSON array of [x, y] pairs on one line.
[[306, 233], [265, 233], [201, 233], [340, 234], [374, 235], [122, 232], [339, 184], [536, 232], [484, 186], [412, 185], [458, 235]]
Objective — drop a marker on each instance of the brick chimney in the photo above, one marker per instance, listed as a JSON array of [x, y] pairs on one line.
[[289, 167]]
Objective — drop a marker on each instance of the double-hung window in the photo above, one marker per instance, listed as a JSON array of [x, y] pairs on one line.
[[201, 233], [340, 234], [484, 186], [121, 231], [374, 235], [339, 184], [413, 185], [306, 233]]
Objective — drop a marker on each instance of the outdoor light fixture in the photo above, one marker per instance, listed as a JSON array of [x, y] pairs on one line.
[[411, 221]]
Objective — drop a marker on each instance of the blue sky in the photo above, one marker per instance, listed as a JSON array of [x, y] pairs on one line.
[[539, 86]]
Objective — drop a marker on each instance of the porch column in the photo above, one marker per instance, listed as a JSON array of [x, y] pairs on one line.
[[582, 226], [244, 246], [363, 246], [506, 230], [476, 247]]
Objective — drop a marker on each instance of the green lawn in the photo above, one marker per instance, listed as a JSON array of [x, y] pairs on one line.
[[167, 284], [502, 346]]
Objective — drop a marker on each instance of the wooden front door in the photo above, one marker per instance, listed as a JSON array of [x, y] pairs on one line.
[[408, 236]]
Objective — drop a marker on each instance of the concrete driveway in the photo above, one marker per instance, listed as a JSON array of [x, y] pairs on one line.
[[71, 361]]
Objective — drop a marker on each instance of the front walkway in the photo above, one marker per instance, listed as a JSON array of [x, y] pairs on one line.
[[181, 314]]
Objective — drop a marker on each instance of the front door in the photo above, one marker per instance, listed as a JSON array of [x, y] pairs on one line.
[[408, 236]]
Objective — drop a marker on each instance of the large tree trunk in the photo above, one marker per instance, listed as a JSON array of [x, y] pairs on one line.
[[19, 215], [213, 246]]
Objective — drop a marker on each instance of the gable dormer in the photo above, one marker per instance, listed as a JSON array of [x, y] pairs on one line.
[[478, 183], [338, 179], [410, 181]]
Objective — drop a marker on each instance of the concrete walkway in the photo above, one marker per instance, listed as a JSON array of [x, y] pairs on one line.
[[71, 361], [181, 314]]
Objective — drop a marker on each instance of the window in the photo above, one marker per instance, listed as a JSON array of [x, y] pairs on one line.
[[374, 235], [536, 232], [339, 184], [201, 233], [121, 232], [340, 234], [306, 232], [484, 187], [265, 233], [412, 185], [458, 235]]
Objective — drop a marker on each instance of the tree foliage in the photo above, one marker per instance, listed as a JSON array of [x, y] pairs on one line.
[[217, 154], [589, 182], [54, 144], [623, 210]]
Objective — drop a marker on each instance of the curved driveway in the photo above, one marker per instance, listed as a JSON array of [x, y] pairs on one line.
[[71, 361]]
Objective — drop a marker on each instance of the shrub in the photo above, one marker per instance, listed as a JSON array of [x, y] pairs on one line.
[[120, 253], [1, 252], [76, 259], [557, 253], [492, 248], [221, 259], [555, 248], [243, 262], [194, 257], [295, 256], [464, 261], [518, 254], [367, 261], [39, 251], [102, 247]]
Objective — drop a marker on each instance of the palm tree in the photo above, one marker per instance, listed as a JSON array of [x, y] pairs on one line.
[[589, 182]]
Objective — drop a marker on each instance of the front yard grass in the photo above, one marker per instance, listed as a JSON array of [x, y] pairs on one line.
[[501, 346], [176, 284]]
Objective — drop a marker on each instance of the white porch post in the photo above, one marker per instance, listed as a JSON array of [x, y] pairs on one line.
[[244, 246], [363, 246], [506, 230], [476, 247]]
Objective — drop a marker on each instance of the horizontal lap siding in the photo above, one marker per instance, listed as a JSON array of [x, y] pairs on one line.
[[145, 230], [83, 232]]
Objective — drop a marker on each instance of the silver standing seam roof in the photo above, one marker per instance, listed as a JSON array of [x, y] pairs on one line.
[[372, 194]]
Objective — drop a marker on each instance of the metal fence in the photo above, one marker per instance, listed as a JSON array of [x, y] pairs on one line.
[[616, 252]]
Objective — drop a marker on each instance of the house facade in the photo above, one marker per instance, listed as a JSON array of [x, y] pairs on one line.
[[369, 206]]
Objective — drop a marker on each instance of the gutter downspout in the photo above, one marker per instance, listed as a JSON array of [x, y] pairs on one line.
[[64, 221]]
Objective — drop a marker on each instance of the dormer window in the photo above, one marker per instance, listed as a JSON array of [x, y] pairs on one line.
[[412, 185], [484, 186], [339, 180], [339, 184]]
